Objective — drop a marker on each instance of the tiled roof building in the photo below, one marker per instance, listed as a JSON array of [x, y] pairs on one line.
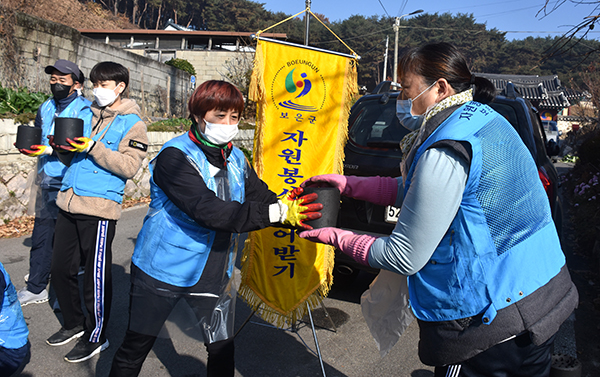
[[544, 92]]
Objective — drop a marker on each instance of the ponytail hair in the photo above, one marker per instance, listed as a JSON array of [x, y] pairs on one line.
[[484, 91], [443, 60]]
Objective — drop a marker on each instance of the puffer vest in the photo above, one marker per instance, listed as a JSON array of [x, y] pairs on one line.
[[502, 244], [172, 247], [13, 329], [87, 178], [78, 108]]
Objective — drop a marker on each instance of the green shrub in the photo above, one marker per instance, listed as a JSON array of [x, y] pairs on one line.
[[170, 125], [589, 151], [182, 64], [248, 154], [20, 101]]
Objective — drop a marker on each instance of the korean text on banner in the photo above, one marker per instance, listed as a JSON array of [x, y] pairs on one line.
[[304, 98]]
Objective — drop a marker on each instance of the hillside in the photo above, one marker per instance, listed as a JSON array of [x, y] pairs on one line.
[[71, 13]]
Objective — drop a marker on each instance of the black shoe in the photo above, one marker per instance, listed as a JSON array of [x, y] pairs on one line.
[[65, 336], [85, 350]]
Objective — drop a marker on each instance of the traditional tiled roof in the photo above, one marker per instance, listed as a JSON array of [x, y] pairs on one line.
[[546, 92]]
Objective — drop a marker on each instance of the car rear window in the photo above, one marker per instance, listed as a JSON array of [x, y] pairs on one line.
[[375, 125]]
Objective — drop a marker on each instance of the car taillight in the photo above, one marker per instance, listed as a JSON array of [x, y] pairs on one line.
[[546, 182]]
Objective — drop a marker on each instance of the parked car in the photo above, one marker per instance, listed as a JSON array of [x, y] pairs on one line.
[[552, 133], [374, 134]]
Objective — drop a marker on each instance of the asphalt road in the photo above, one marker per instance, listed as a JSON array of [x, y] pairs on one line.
[[260, 350]]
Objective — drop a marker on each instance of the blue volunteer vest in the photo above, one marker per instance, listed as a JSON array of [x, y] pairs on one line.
[[87, 178], [78, 108], [171, 247], [13, 329], [502, 245]]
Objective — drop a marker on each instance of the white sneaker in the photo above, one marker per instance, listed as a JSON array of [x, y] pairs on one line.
[[25, 297]]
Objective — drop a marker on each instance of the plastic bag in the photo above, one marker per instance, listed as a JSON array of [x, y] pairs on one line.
[[385, 309]]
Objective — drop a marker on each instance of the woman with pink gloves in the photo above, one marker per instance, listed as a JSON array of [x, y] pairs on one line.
[[487, 277]]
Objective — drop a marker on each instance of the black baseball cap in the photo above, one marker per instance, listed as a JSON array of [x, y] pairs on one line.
[[65, 67]]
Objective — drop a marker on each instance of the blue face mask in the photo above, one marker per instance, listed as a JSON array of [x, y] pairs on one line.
[[404, 112]]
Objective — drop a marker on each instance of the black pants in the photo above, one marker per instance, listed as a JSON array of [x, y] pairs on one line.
[[13, 361], [90, 237], [147, 314], [517, 357], [40, 256]]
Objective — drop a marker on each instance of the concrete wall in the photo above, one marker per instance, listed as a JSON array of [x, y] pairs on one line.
[[213, 64], [37, 43]]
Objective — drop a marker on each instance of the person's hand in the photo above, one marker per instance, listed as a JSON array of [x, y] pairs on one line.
[[37, 150], [349, 243], [377, 190], [300, 208], [81, 144], [326, 180], [59, 148]]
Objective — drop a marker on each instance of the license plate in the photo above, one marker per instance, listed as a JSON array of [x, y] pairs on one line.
[[391, 214]]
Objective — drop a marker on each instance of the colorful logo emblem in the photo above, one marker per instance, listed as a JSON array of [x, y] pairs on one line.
[[299, 90], [292, 87]]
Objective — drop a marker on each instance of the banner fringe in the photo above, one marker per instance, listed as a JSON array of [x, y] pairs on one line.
[[257, 93], [272, 315], [350, 92]]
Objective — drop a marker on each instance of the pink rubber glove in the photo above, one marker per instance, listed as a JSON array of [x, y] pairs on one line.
[[377, 190], [354, 245], [327, 180]]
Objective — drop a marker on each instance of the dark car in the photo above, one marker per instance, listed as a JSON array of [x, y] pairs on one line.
[[374, 134]]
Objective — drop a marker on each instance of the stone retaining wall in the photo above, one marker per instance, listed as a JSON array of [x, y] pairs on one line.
[[158, 88], [17, 172]]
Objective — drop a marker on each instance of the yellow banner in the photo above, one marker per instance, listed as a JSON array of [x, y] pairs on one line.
[[304, 98]]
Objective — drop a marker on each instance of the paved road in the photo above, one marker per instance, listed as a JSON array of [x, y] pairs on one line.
[[260, 350]]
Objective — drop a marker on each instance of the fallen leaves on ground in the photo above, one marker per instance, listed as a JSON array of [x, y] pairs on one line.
[[23, 225], [17, 227]]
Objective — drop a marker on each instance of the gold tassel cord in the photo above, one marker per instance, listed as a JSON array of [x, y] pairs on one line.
[[280, 22], [318, 19], [334, 34]]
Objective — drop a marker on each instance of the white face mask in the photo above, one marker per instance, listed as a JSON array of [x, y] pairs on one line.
[[220, 134], [105, 97]]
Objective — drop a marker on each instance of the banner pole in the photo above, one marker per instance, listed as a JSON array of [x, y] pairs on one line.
[[312, 325], [306, 21], [357, 57]]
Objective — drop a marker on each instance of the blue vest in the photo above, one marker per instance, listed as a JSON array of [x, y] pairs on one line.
[[87, 178], [13, 329], [78, 108], [502, 245], [173, 248]]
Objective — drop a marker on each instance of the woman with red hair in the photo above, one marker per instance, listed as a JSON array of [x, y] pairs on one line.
[[204, 193]]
